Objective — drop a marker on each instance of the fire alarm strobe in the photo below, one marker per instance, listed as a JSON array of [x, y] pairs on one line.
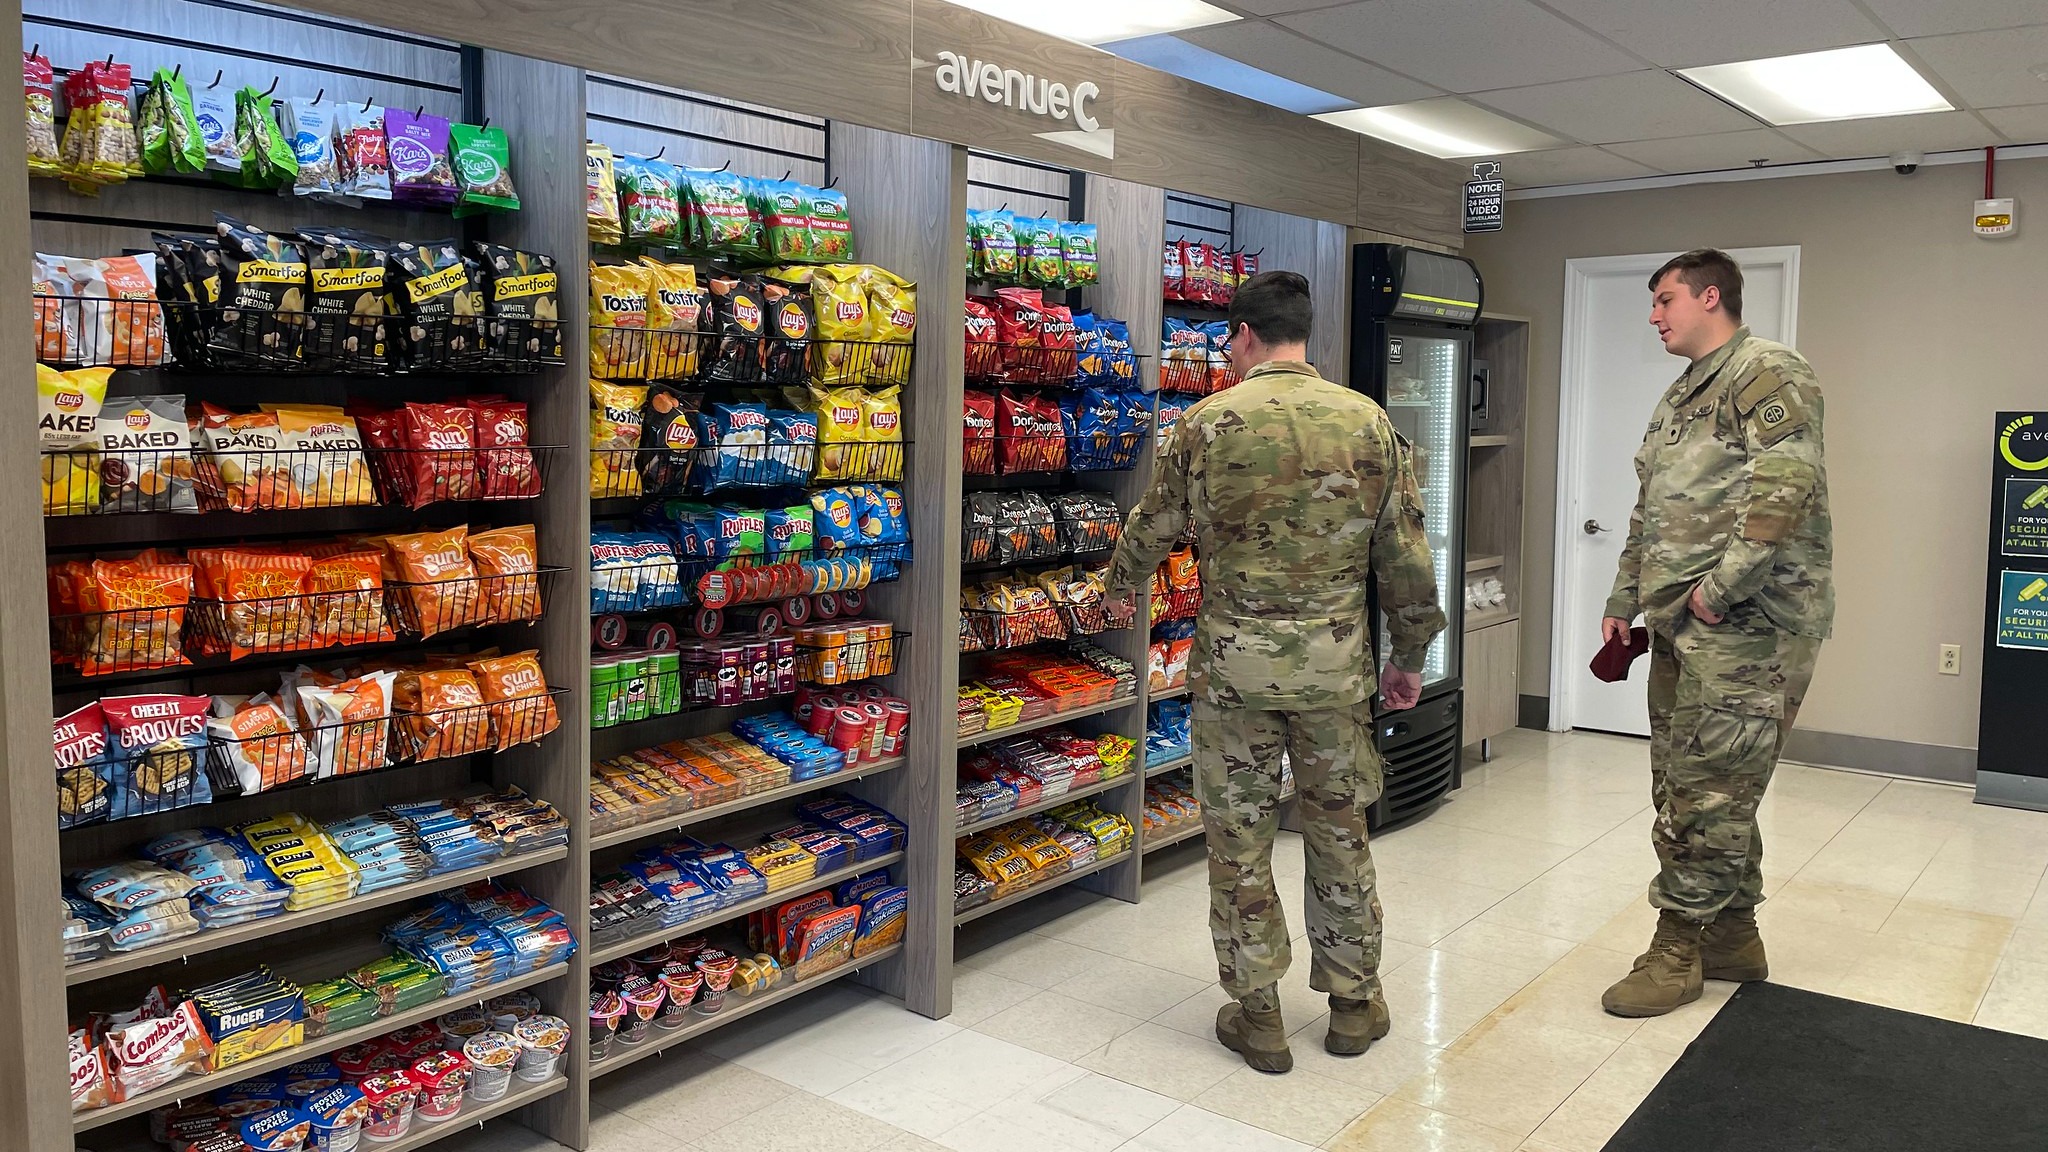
[[1996, 218]]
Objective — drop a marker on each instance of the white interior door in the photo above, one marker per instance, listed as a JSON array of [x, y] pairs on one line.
[[1612, 373]]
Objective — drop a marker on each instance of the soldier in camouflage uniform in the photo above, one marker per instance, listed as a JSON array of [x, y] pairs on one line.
[[1729, 560], [1299, 492]]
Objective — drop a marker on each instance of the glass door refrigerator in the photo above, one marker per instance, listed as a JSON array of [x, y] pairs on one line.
[[1411, 350]]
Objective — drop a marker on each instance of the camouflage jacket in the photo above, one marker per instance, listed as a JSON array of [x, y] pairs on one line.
[[1298, 491], [1734, 495]]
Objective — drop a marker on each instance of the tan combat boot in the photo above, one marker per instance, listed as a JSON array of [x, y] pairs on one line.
[[1665, 977], [1730, 948], [1354, 1025], [1255, 1034]]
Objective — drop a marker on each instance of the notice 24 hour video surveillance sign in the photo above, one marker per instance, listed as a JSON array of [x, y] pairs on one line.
[[1485, 198]]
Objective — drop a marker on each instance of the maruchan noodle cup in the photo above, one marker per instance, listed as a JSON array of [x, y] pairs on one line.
[[491, 1056], [542, 1041]]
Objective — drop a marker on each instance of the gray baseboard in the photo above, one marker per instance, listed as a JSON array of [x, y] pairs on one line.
[[1890, 757], [1533, 712]]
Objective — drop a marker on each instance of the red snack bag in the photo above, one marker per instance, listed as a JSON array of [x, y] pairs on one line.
[[1248, 265], [1029, 435], [441, 456], [1020, 322], [980, 455], [383, 435], [1175, 275], [1058, 363], [505, 465], [1195, 261], [984, 352]]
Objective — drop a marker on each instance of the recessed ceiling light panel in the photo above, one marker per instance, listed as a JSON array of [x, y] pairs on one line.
[[1812, 87], [1445, 127], [1100, 21]]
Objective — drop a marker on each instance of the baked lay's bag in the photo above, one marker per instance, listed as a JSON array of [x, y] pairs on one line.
[[618, 321]]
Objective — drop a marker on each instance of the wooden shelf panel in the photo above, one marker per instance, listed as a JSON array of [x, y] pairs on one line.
[[648, 940], [1483, 563], [1193, 829], [1491, 441], [1170, 765], [204, 942], [736, 1008], [986, 735], [682, 820], [1174, 693], [973, 914], [1032, 809], [1474, 621], [194, 1087]]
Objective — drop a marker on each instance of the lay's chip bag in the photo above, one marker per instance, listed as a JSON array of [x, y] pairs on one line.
[[892, 325], [842, 429], [839, 300]]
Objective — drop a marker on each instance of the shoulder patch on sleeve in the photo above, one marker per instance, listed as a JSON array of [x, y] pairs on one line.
[[1763, 384]]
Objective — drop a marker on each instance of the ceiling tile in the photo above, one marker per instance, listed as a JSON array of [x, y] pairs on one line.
[[1276, 7], [1277, 50], [1567, 166], [1685, 33], [1464, 45], [1713, 153], [2028, 125], [1633, 106], [1989, 69], [1884, 135], [1926, 18]]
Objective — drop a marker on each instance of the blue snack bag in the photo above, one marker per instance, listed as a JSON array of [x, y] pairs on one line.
[[735, 452], [836, 519], [1120, 363], [1087, 348], [1092, 420], [614, 575], [660, 580], [882, 521], [790, 532], [793, 452]]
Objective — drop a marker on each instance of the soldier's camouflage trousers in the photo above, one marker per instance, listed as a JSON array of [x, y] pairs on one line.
[[1338, 774], [1722, 699]]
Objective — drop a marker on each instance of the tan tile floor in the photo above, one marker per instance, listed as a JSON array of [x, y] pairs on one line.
[[1086, 1024]]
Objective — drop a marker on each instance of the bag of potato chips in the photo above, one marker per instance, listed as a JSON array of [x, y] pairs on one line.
[[839, 302], [618, 321], [892, 325], [615, 422], [146, 455], [601, 194], [263, 296], [675, 310]]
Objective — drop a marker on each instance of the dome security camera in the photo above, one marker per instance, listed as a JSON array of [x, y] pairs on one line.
[[1906, 163]]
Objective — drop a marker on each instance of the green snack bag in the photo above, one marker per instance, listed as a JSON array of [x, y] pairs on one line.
[[718, 209], [785, 207], [648, 205], [483, 170], [1078, 245], [267, 158], [996, 255], [153, 126], [1038, 251], [752, 244], [831, 226]]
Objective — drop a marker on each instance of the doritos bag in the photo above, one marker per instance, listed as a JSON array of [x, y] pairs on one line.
[[1020, 322], [984, 352], [1175, 274]]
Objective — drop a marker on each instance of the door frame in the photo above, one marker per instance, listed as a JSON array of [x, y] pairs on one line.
[[1574, 368]]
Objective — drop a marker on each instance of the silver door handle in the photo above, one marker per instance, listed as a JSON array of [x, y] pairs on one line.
[[1593, 528]]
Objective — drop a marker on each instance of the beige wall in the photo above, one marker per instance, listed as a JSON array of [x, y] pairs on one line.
[[1920, 332]]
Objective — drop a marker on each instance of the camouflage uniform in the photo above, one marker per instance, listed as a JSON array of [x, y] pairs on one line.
[[1298, 492], [1734, 499]]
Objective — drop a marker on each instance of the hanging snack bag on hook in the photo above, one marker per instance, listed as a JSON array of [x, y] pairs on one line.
[[1079, 246], [267, 158], [648, 200], [601, 193], [1038, 251], [166, 127], [421, 171], [994, 232], [362, 155], [716, 201], [483, 169], [831, 226], [37, 78], [786, 221], [309, 125]]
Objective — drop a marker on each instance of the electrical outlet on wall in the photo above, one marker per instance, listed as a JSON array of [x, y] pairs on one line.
[[1950, 660]]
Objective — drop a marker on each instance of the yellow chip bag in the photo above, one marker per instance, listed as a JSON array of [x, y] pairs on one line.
[[892, 325], [842, 429], [601, 194], [882, 426], [68, 406], [618, 321], [675, 308], [840, 300], [615, 419], [71, 482]]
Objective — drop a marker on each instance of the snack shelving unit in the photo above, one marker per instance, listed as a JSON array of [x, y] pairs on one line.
[[909, 197]]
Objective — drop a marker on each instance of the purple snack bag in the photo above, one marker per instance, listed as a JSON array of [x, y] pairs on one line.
[[420, 169]]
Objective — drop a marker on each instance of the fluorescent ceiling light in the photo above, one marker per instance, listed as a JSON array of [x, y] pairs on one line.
[[1445, 127], [1191, 62], [1838, 84], [1100, 21]]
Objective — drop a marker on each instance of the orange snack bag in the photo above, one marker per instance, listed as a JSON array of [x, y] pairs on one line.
[[259, 741], [137, 615], [67, 583], [351, 724], [262, 602], [125, 330], [345, 597], [239, 461], [521, 710], [441, 713], [507, 563], [438, 588]]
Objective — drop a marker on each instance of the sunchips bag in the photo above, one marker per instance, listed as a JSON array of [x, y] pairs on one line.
[[675, 310], [618, 321]]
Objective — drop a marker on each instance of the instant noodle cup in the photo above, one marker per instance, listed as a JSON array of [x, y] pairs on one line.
[[717, 968], [518, 1005], [643, 998], [618, 321], [390, 1098], [465, 1022], [491, 1057], [682, 983], [542, 1041], [442, 1077]]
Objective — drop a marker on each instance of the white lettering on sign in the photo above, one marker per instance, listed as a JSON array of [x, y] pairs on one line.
[[978, 79]]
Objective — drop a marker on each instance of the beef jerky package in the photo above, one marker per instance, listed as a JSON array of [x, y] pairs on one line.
[[522, 307], [442, 295], [350, 331], [738, 322], [668, 440], [263, 303], [787, 356]]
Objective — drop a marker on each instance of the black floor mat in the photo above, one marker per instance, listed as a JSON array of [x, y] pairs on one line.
[[1782, 1070]]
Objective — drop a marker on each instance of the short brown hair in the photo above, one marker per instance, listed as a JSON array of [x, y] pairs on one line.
[[1276, 306], [1705, 267]]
